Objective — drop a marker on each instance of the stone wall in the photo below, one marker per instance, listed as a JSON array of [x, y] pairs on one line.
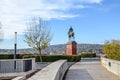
[[16, 65], [111, 65], [54, 71]]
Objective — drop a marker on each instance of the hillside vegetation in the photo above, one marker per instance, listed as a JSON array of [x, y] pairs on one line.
[[60, 49]]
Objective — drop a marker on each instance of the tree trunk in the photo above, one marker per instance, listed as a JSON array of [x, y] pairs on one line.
[[40, 55]]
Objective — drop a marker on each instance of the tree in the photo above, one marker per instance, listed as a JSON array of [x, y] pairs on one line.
[[112, 49], [38, 36]]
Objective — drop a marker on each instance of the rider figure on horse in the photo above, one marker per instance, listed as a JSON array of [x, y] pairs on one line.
[[71, 34]]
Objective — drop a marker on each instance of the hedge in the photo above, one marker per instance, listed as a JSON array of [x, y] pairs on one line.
[[88, 55], [11, 56], [51, 58], [6, 56], [45, 58]]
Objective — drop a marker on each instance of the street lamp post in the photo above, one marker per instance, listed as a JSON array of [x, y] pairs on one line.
[[15, 49], [15, 45]]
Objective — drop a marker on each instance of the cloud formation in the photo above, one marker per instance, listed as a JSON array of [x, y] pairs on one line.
[[15, 13]]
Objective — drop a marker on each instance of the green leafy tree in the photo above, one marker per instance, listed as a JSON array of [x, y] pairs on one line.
[[112, 49], [38, 36]]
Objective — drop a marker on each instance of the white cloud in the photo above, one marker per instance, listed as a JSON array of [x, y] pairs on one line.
[[15, 13], [91, 1]]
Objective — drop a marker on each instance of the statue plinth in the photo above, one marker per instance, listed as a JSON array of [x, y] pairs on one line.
[[71, 48]]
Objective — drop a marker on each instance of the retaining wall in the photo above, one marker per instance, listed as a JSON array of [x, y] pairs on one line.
[[16, 67], [111, 65], [54, 71]]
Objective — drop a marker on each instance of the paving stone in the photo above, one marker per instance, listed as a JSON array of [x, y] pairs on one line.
[[89, 70]]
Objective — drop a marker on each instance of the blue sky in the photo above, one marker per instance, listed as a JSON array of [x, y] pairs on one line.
[[93, 21]]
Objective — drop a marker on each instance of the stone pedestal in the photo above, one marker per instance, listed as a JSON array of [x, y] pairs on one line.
[[71, 48]]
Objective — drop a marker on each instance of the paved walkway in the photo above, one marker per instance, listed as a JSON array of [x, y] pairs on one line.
[[89, 70]]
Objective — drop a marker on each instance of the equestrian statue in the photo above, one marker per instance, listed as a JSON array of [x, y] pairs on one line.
[[71, 34]]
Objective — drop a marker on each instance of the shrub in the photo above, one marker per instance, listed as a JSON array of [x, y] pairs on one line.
[[11, 56], [6, 56], [45, 58], [112, 49], [51, 58], [88, 55]]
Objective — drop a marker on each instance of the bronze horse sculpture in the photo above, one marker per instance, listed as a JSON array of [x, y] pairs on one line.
[[71, 33]]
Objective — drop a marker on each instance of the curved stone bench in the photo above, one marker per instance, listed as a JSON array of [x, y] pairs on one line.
[[54, 71]]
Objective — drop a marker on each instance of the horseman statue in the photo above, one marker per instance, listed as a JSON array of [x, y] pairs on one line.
[[71, 34]]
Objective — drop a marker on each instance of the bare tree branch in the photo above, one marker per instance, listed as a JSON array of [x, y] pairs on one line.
[[38, 35]]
